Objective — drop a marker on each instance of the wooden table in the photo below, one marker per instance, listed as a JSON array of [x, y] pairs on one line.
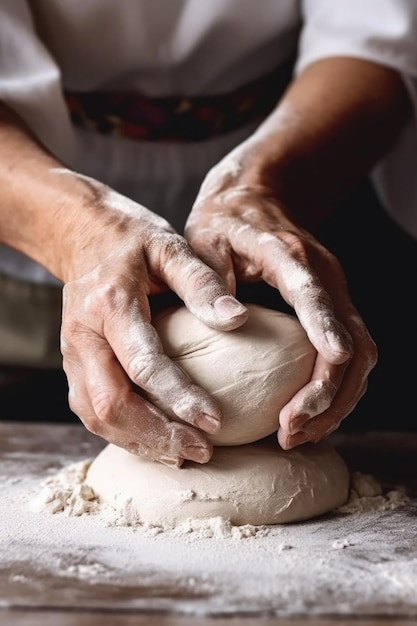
[[36, 591]]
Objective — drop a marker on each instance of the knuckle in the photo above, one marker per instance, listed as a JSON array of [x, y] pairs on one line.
[[206, 238], [107, 297], [97, 414], [141, 369], [295, 245], [173, 245], [72, 333], [300, 249], [204, 279], [103, 297], [74, 405], [178, 432], [166, 252], [78, 403], [321, 396], [372, 352], [105, 408]]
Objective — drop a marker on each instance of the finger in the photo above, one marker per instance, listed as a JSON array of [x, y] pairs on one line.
[[315, 412], [215, 251], [139, 449], [319, 427], [310, 406], [200, 287], [287, 442], [314, 398], [139, 350], [274, 260], [109, 408], [354, 387], [79, 403]]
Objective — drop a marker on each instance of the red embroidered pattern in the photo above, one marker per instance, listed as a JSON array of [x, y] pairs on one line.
[[127, 114]]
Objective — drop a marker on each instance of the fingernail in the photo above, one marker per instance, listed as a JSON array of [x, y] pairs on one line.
[[296, 440], [227, 306], [196, 453], [297, 423], [208, 423], [171, 461]]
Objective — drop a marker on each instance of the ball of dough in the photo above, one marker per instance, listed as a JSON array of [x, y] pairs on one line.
[[253, 484], [252, 371]]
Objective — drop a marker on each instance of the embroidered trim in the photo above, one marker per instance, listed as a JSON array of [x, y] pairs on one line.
[[176, 119]]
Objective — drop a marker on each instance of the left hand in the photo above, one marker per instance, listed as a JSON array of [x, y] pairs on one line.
[[245, 234]]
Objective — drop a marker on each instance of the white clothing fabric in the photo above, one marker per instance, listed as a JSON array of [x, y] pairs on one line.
[[187, 47]]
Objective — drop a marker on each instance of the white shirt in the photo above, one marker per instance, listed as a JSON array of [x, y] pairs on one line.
[[189, 47]]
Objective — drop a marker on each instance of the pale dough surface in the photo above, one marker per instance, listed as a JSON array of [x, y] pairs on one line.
[[251, 484], [252, 371]]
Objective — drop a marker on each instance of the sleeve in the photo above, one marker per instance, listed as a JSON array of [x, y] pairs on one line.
[[385, 32], [30, 81]]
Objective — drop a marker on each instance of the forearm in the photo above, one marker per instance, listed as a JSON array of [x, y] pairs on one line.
[[331, 126], [39, 208]]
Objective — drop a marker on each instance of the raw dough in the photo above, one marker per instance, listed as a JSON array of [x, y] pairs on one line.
[[251, 484], [252, 371]]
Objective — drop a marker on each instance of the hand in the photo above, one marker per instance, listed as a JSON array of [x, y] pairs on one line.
[[244, 234], [108, 342]]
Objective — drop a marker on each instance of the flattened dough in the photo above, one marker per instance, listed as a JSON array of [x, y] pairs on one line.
[[251, 484], [252, 371]]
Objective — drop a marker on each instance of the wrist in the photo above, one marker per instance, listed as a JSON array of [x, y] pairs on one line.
[[332, 125]]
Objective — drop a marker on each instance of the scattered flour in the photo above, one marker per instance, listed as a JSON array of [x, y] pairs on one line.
[[367, 495], [69, 494], [70, 551]]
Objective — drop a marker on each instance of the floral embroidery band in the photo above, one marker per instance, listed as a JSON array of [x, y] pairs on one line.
[[173, 119]]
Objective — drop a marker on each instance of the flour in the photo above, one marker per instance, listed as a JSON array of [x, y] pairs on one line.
[[367, 495], [351, 564], [67, 493]]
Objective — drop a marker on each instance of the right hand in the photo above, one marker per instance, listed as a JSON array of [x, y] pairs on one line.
[[244, 232], [112, 264]]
